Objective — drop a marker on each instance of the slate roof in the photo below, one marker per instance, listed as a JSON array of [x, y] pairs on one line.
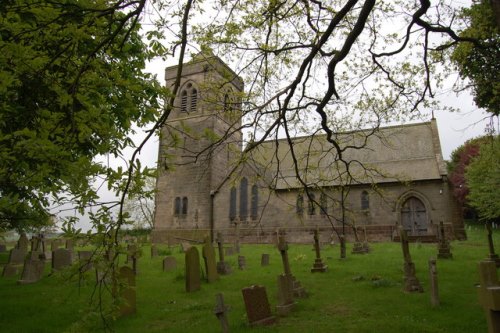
[[409, 152]]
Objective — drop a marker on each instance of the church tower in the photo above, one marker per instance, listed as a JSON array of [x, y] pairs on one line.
[[198, 145]]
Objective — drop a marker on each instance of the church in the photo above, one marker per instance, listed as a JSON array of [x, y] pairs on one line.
[[208, 183]]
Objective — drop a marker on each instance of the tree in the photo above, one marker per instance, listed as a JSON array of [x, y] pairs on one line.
[[71, 86], [483, 180], [140, 204], [479, 63]]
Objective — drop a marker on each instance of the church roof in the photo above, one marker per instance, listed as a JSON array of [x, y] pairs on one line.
[[401, 153]]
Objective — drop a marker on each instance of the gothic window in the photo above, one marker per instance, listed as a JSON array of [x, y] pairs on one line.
[[226, 102], [254, 210], [300, 204], [184, 206], [365, 200], [243, 198], [323, 203], [232, 204], [189, 98], [311, 207], [177, 206]]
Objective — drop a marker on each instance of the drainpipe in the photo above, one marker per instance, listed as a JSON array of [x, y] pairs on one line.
[[211, 214]]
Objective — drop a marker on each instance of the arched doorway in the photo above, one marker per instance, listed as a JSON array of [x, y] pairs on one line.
[[414, 217]]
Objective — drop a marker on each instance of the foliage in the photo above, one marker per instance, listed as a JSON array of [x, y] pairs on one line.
[[483, 180], [71, 86], [480, 63], [140, 202]]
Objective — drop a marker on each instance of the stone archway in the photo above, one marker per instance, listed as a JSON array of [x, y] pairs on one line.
[[414, 218]]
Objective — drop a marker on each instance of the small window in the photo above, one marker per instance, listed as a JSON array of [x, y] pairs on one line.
[[254, 210], [189, 98], [323, 203], [300, 204], [311, 208], [184, 206], [184, 100], [365, 201], [243, 198], [194, 100], [232, 204], [226, 102], [177, 206]]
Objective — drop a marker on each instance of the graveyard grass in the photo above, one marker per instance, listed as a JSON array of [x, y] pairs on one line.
[[362, 293]]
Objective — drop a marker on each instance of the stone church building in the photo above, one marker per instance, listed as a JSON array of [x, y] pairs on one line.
[[207, 182]]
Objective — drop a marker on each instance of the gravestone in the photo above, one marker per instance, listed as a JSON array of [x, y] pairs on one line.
[[223, 267], [135, 263], [489, 294], [10, 270], [411, 283], [85, 259], [61, 258], [342, 247], [242, 263], [185, 246], [55, 244], [257, 306], [3, 248], [70, 244], [264, 260], [22, 243], [444, 249], [16, 256], [208, 254], [32, 271], [127, 291], [154, 251], [434, 282], [220, 312], [492, 255], [193, 275], [169, 263], [318, 265], [36, 255], [285, 296], [298, 290]]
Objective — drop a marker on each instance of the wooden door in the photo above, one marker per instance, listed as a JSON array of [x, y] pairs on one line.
[[414, 217]]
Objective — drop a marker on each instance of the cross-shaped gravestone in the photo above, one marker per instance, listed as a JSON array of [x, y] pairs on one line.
[[208, 254], [318, 266], [223, 267], [411, 283], [220, 311], [444, 249], [285, 295], [489, 294], [298, 290]]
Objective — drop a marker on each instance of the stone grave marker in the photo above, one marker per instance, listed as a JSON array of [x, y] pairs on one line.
[[220, 312], [489, 294], [10, 270], [318, 265], [85, 259], [185, 246], [208, 253], [492, 255], [61, 258], [264, 260], [342, 247], [55, 244], [298, 290], [127, 291], [285, 296], [32, 271], [242, 263], [257, 306], [169, 263], [135, 263], [411, 283], [444, 249], [22, 243], [434, 282], [70, 244], [193, 274], [223, 267], [154, 251], [16, 256]]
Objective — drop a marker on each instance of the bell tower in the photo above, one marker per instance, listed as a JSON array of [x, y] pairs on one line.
[[198, 144]]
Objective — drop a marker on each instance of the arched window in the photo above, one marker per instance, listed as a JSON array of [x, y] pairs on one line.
[[184, 206], [226, 102], [311, 207], [323, 203], [189, 98], [254, 210], [243, 198], [299, 206], [232, 204], [177, 206], [365, 200]]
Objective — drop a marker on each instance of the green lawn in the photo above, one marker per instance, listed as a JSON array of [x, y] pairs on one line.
[[359, 294]]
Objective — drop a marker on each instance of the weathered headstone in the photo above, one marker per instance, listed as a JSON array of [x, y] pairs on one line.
[[22, 243], [411, 283], [10, 270], [208, 254], [264, 260], [193, 274], [285, 296], [61, 258], [489, 294], [298, 290], [318, 265], [342, 247], [223, 267], [154, 251], [242, 263], [32, 271], [444, 249], [257, 306], [127, 291], [434, 282], [16, 256], [70, 244], [220, 311], [492, 255], [169, 263]]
